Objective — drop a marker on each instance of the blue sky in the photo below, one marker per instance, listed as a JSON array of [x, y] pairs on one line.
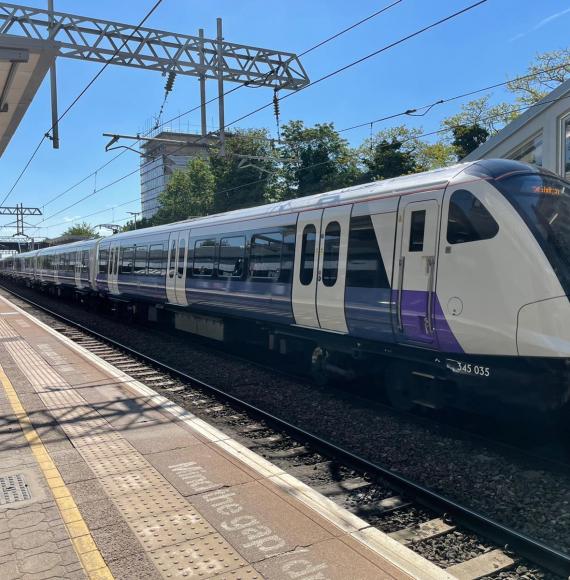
[[489, 44]]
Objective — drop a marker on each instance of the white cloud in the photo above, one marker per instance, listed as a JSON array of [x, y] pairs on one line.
[[71, 218], [540, 24]]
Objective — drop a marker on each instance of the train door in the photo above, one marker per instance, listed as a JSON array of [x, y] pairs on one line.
[[418, 225], [320, 268], [176, 271], [305, 269], [113, 269], [78, 266]]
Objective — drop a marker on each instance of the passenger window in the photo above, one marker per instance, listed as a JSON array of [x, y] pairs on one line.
[[417, 230], [103, 260], [181, 256], [265, 255], [204, 252], [232, 255], [127, 261], [365, 267], [141, 257], [331, 252], [156, 260], [308, 255], [469, 220]]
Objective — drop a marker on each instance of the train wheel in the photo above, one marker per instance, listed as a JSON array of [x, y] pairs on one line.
[[399, 387], [319, 372]]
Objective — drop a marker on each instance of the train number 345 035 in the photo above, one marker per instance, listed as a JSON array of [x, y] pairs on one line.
[[468, 368]]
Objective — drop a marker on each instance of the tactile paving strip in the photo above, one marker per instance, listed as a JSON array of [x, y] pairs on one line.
[[134, 481], [169, 529], [147, 503], [112, 465], [109, 450], [201, 558], [179, 541], [6, 330], [249, 573]]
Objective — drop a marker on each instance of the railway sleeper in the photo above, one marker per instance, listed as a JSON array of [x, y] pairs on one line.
[[422, 531]]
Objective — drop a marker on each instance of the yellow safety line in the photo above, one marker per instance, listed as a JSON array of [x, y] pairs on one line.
[[83, 542]]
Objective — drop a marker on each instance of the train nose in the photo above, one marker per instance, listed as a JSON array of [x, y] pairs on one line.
[[543, 328]]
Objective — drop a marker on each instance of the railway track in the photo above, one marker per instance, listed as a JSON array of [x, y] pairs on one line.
[[416, 516]]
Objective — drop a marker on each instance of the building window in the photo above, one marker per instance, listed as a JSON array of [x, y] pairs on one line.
[[469, 220], [529, 152], [232, 254]]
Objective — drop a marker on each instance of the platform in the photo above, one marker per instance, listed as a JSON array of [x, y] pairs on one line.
[[101, 477]]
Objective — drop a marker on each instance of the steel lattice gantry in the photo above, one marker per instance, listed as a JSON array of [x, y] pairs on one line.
[[96, 40]]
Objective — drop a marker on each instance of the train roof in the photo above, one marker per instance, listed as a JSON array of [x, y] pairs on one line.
[[386, 187]]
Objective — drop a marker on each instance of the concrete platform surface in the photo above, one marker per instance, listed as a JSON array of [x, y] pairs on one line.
[[101, 477]]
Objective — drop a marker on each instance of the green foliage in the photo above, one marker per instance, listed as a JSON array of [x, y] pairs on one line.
[[189, 193], [139, 224], [467, 138], [82, 229], [316, 159], [399, 151], [531, 90], [244, 182]]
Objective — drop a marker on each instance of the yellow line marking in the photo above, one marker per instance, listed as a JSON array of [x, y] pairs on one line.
[[81, 538]]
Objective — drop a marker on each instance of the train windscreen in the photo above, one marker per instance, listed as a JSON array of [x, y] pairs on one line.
[[543, 202]]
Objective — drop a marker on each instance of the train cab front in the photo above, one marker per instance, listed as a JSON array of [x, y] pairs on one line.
[[542, 200]]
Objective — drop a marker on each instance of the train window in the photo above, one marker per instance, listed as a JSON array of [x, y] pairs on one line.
[[288, 255], [204, 253], [85, 261], [181, 256], [365, 267], [308, 255], [103, 260], [331, 253], [126, 261], [417, 230], [156, 260], [265, 255], [141, 259], [171, 259], [232, 256], [469, 220]]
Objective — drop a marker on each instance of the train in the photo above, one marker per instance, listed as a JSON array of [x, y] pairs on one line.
[[447, 288]]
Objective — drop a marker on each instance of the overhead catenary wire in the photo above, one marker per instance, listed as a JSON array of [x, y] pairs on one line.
[[226, 93], [320, 163], [77, 98], [331, 74]]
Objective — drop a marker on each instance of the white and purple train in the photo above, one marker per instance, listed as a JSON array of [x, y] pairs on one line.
[[452, 284]]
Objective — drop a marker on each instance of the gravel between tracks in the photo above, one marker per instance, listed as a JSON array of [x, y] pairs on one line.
[[511, 488]]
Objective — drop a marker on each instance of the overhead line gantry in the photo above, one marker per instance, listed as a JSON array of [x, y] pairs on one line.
[[104, 41]]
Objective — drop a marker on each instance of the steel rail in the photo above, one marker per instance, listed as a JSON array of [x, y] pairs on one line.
[[533, 550]]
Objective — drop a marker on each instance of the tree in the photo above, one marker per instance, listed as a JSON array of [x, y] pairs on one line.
[[247, 174], [82, 229], [137, 225], [467, 138], [400, 150], [548, 70], [188, 193], [316, 159], [480, 112]]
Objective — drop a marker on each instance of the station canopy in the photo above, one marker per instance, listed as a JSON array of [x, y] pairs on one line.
[[24, 63]]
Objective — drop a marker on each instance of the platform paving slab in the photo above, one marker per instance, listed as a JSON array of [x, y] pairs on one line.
[[160, 492]]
